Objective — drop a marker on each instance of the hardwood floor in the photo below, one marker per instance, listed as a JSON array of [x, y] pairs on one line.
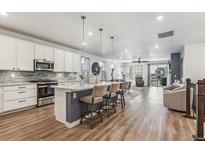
[[144, 118]]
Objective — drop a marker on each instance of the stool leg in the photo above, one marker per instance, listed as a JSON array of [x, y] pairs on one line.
[[81, 113], [114, 101], [116, 98], [101, 119], [81, 119], [91, 119], [124, 99], [121, 101], [108, 111]]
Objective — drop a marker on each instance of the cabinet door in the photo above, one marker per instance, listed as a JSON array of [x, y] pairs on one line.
[[59, 60], [43, 52], [76, 62], [1, 101], [7, 53], [68, 62], [25, 55]]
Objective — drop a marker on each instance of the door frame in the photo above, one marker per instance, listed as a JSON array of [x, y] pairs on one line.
[[148, 78]]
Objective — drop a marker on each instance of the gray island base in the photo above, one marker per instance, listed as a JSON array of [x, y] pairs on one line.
[[67, 108]]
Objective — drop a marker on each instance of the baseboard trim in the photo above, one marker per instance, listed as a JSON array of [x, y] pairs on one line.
[[17, 110], [69, 125]]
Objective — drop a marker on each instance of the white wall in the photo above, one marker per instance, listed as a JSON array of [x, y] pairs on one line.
[[194, 61]]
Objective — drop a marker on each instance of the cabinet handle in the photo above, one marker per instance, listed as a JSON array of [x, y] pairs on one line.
[[21, 101], [20, 92], [21, 87]]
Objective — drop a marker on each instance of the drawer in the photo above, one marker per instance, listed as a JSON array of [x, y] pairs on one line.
[[17, 104], [1, 100], [21, 87], [15, 95]]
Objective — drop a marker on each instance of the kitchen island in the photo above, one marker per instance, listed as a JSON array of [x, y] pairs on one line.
[[67, 108]]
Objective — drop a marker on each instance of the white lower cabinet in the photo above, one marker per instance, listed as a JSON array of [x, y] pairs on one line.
[[20, 94], [17, 104], [16, 97], [1, 101]]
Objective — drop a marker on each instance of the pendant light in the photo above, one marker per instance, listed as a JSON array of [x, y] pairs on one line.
[[100, 30], [112, 39], [83, 42]]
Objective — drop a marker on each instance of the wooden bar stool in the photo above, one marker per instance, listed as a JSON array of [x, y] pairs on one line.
[[122, 91], [111, 98], [94, 102]]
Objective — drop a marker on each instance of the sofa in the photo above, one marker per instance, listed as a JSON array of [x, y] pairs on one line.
[[174, 97]]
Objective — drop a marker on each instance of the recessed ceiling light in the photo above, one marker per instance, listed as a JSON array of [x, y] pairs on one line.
[[159, 18], [90, 33], [156, 46], [83, 43], [4, 13], [125, 50]]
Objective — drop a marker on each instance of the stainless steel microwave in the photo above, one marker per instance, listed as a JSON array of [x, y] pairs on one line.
[[43, 65]]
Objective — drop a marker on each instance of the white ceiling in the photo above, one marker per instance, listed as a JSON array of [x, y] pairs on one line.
[[134, 31]]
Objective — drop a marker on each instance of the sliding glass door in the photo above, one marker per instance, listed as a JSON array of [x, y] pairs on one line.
[[158, 74]]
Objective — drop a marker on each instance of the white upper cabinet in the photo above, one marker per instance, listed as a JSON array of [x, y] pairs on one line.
[[17, 54], [68, 61], [59, 60], [76, 62], [25, 55], [7, 53], [43, 52]]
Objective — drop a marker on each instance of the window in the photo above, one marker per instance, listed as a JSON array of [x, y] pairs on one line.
[[129, 71], [104, 71], [85, 69], [137, 70]]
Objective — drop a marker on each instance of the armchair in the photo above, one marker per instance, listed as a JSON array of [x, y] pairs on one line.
[[139, 82]]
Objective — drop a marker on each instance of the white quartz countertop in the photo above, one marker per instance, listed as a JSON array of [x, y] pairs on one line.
[[78, 86], [67, 81], [3, 84]]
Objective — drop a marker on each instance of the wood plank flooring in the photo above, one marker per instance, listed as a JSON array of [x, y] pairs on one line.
[[144, 118]]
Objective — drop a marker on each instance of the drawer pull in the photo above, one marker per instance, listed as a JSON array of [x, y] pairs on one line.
[[42, 86], [21, 87], [21, 92], [21, 101]]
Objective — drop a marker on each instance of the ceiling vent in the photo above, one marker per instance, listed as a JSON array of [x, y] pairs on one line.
[[166, 34]]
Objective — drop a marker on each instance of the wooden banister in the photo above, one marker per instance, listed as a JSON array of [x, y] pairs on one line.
[[200, 111], [189, 85]]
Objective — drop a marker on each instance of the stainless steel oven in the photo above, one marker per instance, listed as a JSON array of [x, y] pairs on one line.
[[45, 92], [43, 65]]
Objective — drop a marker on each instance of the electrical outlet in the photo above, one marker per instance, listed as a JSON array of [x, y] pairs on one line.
[[74, 95]]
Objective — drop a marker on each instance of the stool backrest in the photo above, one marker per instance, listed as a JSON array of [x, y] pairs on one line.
[[99, 90], [125, 85], [115, 87]]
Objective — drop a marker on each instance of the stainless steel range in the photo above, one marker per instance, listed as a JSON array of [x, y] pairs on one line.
[[45, 92]]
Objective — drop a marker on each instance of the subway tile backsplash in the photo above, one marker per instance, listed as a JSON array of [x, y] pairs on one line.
[[19, 76]]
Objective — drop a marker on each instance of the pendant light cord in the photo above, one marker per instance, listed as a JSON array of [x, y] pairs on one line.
[[112, 38], [101, 41], [83, 43]]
